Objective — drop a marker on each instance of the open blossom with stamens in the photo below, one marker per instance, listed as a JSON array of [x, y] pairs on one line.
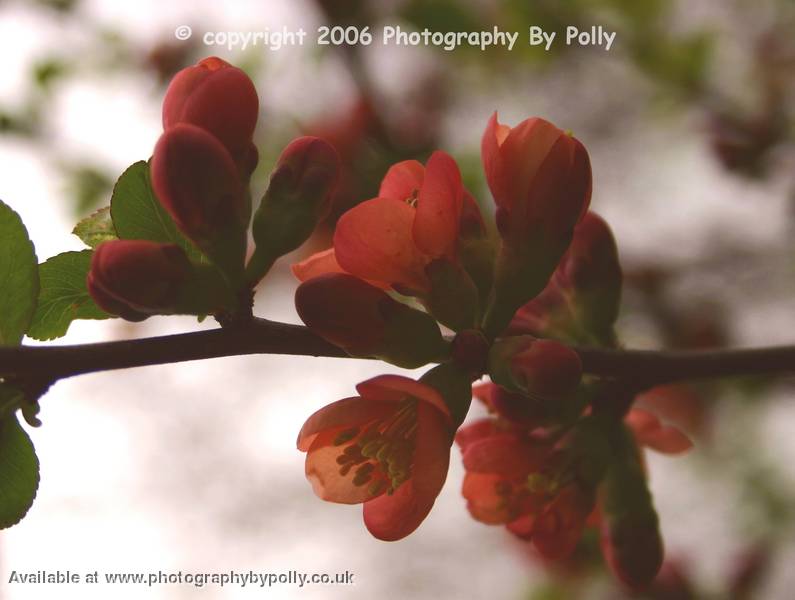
[[416, 219], [388, 448], [535, 484], [518, 481]]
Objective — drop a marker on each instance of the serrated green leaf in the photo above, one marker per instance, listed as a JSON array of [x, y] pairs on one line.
[[19, 278], [63, 296], [137, 214], [19, 472], [97, 228]]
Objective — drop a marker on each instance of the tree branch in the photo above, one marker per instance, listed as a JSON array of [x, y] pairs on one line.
[[643, 368]]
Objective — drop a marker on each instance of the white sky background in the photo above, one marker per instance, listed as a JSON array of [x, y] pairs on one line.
[[193, 466]]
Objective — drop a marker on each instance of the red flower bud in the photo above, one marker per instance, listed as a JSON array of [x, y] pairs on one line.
[[298, 197], [539, 175], [217, 97], [590, 271], [365, 321], [541, 369], [196, 180], [516, 407], [136, 278], [547, 369], [312, 167]]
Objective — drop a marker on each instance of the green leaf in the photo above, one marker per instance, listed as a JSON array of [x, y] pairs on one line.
[[137, 214], [64, 296], [19, 472], [97, 228], [19, 278]]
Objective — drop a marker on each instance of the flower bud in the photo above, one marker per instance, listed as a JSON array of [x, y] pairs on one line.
[[298, 197], [517, 407], [136, 278], [217, 97], [540, 178], [365, 321], [539, 175], [591, 274], [197, 182], [537, 368]]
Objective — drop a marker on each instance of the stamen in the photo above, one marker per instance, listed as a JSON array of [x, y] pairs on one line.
[[362, 478], [346, 436], [371, 448]]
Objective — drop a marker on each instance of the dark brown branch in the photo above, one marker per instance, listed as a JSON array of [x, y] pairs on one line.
[[643, 368], [650, 367], [259, 336]]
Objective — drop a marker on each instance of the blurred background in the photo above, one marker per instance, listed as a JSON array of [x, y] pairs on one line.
[[688, 120]]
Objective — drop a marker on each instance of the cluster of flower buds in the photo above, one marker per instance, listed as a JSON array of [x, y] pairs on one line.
[[560, 452], [203, 160], [200, 172]]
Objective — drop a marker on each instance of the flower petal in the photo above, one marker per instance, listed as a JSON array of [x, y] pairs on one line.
[[373, 241], [323, 472], [483, 502], [348, 412], [439, 206], [504, 454], [318, 264], [474, 431], [558, 529], [650, 432], [396, 387], [402, 180], [511, 166], [523, 526], [394, 517], [321, 263], [493, 166], [524, 150]]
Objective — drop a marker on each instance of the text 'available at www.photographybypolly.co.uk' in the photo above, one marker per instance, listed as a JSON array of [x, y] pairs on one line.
[[250, 578]]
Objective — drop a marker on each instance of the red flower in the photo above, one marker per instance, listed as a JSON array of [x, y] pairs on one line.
[[388, 448], [540, 178], [557, 529], [393, 238], [498, 462], [196, 181], [512, 479], [217, 97], [136, 278]]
